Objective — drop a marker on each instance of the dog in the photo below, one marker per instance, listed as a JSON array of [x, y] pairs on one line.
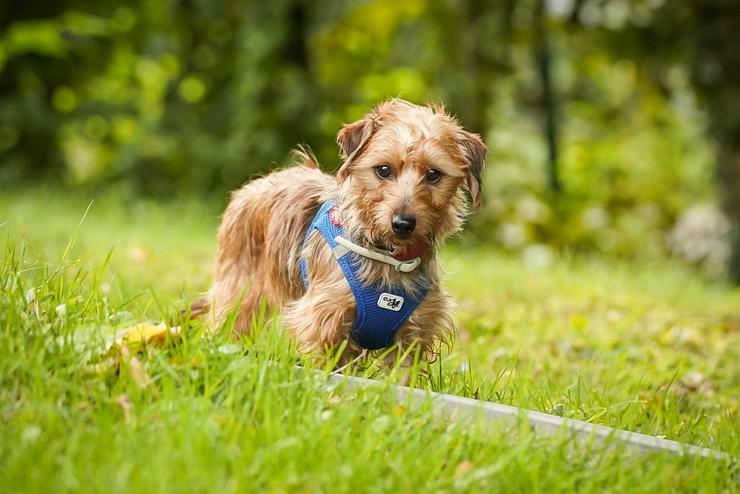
[[409, 177]]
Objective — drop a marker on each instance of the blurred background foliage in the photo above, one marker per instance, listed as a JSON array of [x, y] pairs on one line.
[[613, 125]]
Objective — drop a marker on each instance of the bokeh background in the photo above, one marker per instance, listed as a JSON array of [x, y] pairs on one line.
[[613, 125]]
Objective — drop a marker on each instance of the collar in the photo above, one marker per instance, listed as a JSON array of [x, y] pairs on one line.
[[405, 262], [405, 266]]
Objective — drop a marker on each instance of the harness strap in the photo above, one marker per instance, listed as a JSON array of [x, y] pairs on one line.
[[380, 310]]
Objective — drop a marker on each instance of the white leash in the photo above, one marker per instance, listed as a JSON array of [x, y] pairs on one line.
[[344, 246]]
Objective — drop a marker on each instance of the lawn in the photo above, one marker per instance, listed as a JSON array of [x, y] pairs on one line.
[[644, 346]]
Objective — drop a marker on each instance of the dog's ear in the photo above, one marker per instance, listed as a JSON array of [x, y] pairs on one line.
[[475, 155], [352, 139]]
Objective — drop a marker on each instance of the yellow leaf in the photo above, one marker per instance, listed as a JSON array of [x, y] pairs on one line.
[[146, 332]]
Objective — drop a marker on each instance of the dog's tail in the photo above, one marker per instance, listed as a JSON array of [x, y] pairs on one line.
[[303, 156]]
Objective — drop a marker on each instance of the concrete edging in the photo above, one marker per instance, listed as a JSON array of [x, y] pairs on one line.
[[457, 406]]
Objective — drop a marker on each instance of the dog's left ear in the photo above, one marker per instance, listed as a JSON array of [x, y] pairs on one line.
[[352, 139], [475, 155]]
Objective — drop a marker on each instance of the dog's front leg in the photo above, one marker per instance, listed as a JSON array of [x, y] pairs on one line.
[[322, 319], [429, 327]]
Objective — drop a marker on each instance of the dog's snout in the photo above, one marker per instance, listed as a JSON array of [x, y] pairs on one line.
[[403, 224]]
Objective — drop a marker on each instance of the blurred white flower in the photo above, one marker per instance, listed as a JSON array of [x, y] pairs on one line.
[[701, 236], [533, 210], [595, 218], [512, 235], [538, 256]]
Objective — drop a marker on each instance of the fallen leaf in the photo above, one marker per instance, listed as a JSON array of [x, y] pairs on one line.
[[463, 468], [138, 372], [695, 382], [125, 404], [146, 332], [137, 254]]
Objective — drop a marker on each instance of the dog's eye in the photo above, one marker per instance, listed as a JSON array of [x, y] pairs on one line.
[[433, 176], [383, 171]]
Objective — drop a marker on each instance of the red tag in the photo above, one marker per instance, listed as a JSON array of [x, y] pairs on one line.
[[413, 251], [334, 216]]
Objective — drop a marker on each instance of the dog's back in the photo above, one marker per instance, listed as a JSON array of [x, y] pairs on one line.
[[263, 218]]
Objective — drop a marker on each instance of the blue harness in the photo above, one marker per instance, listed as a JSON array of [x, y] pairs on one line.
[[381, 310]]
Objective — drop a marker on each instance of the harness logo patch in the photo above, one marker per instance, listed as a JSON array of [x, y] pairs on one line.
[[390, 302]]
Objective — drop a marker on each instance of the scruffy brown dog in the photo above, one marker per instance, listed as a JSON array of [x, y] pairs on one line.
[[401, 190]]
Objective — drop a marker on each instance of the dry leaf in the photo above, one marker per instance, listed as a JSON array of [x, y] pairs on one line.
[[138, 373], [463, 468], [125, 404]]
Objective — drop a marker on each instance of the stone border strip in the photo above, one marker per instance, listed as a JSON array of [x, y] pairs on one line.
[[457, 406]]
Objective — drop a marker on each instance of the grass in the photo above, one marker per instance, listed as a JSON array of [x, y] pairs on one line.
[[646, 347]]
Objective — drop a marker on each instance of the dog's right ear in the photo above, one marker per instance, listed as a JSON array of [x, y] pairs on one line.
[[352, 139]]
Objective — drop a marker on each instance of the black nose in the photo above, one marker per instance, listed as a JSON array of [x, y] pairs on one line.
[[403, 225]]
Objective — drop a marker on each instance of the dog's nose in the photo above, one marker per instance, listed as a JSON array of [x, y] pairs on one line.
[[403, 225]]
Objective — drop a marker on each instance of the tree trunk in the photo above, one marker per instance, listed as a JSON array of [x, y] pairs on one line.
[[716, 76], [729, 181], [547, 101]]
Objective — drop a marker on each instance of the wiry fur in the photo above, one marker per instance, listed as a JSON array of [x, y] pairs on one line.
[[263, 228]]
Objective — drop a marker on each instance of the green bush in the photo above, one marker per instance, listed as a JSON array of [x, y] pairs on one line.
[[197, 97]]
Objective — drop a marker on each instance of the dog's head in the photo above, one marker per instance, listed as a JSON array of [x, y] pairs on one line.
[[405, 175]]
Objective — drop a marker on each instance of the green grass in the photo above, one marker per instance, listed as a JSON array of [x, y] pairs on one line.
[[646, 347]]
